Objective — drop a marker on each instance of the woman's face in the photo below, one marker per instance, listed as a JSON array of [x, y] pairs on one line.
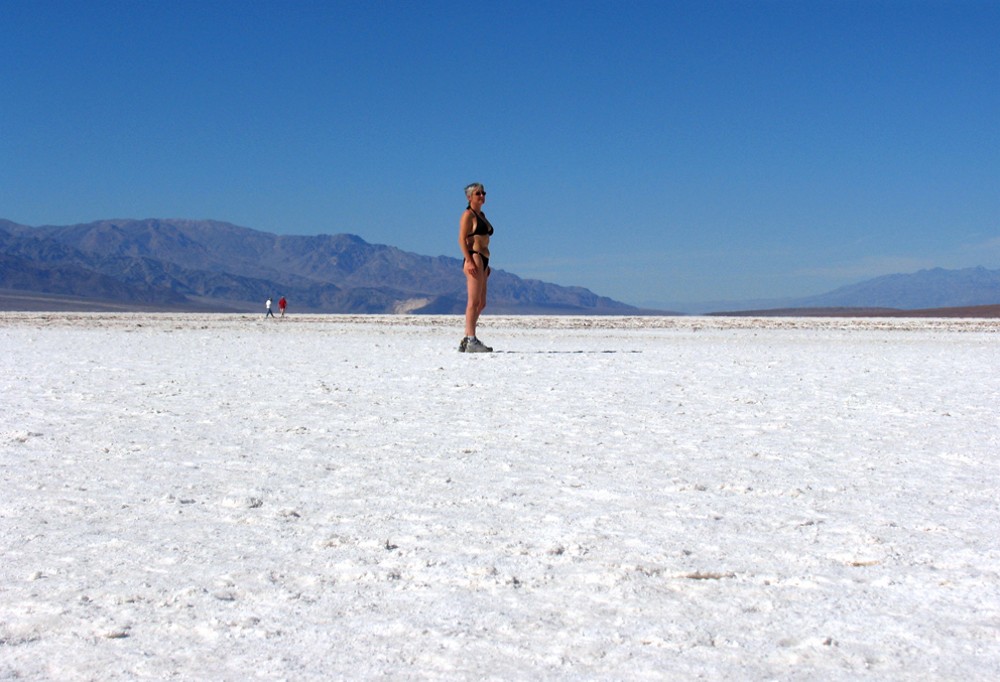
[[477, 198]]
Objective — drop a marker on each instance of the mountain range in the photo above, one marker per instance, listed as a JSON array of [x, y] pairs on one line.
[[215, 266], [972, 292], [933, 288]]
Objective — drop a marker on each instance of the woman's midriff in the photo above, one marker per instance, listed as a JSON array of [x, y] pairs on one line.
[[481, 244]]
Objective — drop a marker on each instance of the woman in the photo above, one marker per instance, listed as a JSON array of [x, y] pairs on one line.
[[474, 232]]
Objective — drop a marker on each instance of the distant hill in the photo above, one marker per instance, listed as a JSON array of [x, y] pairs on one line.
[[209, 265], [927, 292], [936, 288]]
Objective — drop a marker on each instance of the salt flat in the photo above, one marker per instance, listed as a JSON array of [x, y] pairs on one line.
[[321, 497]]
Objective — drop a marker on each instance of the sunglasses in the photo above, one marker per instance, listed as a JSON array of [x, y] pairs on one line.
[[480, 194]]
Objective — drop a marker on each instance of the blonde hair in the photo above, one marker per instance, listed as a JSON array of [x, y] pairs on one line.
[[472, 187]]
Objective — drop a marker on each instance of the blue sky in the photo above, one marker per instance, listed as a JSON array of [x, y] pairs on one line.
[[654, 152]]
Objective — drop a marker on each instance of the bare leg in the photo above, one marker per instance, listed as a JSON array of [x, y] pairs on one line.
[[472, 307], [476, 286]]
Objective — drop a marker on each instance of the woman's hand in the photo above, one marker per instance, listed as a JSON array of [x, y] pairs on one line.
[[471, 268]]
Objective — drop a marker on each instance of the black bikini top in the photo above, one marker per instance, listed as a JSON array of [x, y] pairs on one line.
[[483, 225]]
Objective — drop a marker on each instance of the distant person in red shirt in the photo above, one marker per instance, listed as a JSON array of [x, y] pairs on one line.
[[282, 303]]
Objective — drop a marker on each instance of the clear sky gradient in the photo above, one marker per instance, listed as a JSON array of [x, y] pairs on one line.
[[654, 152]]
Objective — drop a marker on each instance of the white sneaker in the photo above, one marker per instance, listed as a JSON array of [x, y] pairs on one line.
[[476, 346]]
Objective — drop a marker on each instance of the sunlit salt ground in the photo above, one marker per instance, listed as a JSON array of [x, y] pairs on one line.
[[228, 498]]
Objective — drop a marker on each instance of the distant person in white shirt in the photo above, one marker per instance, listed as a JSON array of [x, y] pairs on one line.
[[267, 304]]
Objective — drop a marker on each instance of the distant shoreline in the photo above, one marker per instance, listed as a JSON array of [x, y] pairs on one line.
[[32, 301], [977, 312], [632, 327]]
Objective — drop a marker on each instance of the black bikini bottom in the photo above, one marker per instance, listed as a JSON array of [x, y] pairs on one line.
[[486, 261]]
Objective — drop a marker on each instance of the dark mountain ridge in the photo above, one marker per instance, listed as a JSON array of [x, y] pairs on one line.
[[217, 265]]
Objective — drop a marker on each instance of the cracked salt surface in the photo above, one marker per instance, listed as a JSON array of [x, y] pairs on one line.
[[220, 497]]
